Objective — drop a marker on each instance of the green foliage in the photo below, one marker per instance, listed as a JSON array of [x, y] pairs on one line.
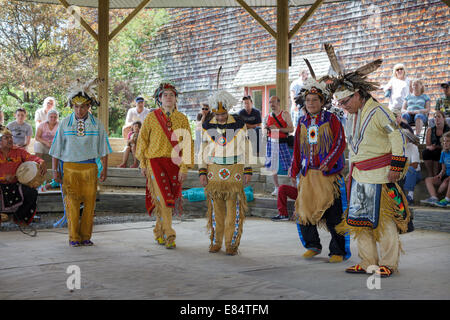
[[129, 67], [41, 54]]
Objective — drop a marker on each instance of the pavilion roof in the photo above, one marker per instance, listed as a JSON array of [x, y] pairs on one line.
[[123, 4]]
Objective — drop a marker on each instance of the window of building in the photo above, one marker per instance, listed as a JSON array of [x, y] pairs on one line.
[[257, 97]]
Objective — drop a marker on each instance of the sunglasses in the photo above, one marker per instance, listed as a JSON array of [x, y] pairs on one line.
[[205, 109], [399, 69]]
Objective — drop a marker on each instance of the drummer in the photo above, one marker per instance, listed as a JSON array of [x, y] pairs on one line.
[[17, 199]]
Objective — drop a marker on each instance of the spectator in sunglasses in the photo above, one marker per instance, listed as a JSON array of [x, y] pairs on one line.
[[398, 88], [205, 115]]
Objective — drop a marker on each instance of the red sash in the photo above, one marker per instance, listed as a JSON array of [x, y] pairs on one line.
[[165, 171], [163, 121], [369, 164]]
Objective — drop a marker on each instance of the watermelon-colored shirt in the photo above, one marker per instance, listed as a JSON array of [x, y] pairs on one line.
[[15, 157]]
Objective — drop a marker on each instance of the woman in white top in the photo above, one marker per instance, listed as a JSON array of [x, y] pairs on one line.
[[42, 113], [138, 113], [45, 133], [399, 86]]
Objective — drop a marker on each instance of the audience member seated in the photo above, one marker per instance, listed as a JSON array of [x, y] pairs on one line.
[[45, 134], [131, 146], [443, 103], [204, 115], [398, 87], [284, 192], [252, 119], [137, 113], [16, 199], [41, 114], [442, 179], [413, 175], [417, 106], [432, 153], [21, 131]]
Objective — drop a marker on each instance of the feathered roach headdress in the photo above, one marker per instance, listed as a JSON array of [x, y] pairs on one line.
[[159, 91], [4, 130], [312, 85], [347, 83], [81, 93], [221, 101]]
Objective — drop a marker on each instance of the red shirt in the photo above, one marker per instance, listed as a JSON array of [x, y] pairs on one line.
[[15, 157], [272, 121]]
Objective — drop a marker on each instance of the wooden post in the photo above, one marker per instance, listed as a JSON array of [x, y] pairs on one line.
[[103, 61], [283, 53]]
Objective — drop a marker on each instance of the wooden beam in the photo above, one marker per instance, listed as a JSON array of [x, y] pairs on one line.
[[305, 18], [283, 53], [83, 22], [257, 17], [103, 61], [128, 19]]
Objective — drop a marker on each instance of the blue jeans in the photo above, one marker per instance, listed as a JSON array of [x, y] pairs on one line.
[[411, 179], [409, 117]]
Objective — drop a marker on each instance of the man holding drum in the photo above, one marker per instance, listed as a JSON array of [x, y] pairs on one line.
[[16, 198]]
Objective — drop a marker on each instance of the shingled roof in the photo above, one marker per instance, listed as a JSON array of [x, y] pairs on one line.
[[197, 41], [260, 73]]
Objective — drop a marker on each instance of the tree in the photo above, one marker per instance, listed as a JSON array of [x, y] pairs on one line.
[[37, 53], [42, 53], [129, 67]]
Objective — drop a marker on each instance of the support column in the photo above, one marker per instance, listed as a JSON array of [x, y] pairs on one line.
[[103, 61], [283, 53]]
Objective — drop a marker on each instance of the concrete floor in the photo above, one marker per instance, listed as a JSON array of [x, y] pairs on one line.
[[126, 263]]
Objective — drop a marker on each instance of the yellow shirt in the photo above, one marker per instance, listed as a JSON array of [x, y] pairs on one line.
[[378, 134], [153, 142]]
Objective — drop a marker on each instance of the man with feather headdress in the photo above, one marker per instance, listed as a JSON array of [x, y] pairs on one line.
[[223, 172], [378, 210], [166, 151], [79, 141], [318, 155]]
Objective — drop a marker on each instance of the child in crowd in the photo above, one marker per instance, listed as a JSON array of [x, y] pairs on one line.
[[131, 145], [442, 179]]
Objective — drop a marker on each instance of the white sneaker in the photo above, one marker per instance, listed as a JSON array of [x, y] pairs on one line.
[[275, 192]]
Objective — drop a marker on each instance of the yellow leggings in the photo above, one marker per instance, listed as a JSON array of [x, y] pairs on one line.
[[79, 185]]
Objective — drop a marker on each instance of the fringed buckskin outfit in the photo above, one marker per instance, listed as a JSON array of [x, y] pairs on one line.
[[77, 145], [319, 140], [223, 157], [377, 209], [164, 148]]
